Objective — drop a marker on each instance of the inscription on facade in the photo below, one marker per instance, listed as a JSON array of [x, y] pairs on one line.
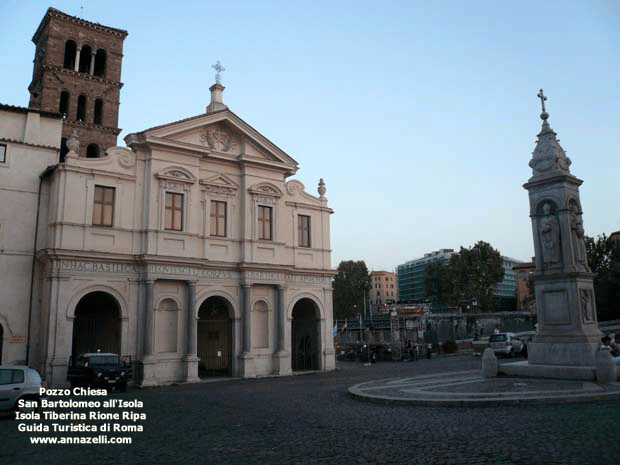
[[97, 267], [111, 267]]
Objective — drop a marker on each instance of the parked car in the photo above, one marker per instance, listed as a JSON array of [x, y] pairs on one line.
[[100, 369], [526, 338], [19, 382], [505, 344]]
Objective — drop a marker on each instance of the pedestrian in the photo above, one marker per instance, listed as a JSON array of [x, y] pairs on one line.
[[429, 349], [615, 346]]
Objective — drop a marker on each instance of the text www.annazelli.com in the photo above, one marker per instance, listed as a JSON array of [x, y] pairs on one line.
[[102, 439]]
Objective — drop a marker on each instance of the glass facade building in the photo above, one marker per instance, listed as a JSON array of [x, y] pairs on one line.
[[411, 279]]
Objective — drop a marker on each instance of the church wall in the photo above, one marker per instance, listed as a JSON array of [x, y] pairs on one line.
[[22, 132]]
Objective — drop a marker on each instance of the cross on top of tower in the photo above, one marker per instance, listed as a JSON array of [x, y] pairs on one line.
[[218, 69], [544, 115]]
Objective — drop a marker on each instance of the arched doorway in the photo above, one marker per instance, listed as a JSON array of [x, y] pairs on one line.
[[214, 346], [305, 342], [97, 324]]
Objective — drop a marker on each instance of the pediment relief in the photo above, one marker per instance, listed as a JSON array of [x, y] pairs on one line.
[[220, 185], [265, 189], [220, 138], [176, 175]]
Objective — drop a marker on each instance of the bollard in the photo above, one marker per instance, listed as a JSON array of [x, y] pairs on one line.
[[606, 370], [489, 364]]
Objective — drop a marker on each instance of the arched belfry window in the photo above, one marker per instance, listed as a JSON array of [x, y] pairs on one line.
[[81, 108], [85, 57], [70, 51], [63, 107], [98, 115], [100, 57], [92, 151]]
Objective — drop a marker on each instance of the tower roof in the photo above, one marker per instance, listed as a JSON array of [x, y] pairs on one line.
[[53, 12]]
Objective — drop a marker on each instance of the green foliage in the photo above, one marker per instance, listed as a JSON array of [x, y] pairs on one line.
[[350, 285], [604, 260], [471, 274]]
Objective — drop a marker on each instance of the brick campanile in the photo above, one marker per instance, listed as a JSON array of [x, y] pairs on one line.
[[77, 72]]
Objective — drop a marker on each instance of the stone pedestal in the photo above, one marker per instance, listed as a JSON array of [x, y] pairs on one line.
[[282, 363], [247, 365], [149, 375], [568, 333], [191, 369]]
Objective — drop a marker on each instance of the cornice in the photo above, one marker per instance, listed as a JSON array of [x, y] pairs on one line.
[[81, 76]]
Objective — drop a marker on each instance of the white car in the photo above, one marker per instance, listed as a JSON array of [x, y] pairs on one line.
[[17, 383], [505, 344]]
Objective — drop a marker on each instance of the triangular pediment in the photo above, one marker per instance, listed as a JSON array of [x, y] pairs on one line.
[[221, 134]]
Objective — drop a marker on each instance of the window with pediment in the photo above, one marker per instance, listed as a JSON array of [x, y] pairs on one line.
[[265, 197], [175, 194]]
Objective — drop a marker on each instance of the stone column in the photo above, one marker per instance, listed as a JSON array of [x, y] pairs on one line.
[[149, 317], [248, 368], [282, 358], [148, 360], [92, 62], [191, 358], [77, 59]]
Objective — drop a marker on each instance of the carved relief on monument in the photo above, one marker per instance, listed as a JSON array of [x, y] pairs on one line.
[[549, 234], [587, 305], [577, 236], [219, 138]]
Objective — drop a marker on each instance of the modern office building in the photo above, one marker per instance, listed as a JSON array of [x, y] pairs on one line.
[[411, 275], [412, 285]]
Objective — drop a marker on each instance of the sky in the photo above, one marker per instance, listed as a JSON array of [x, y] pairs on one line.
[[421, 116]]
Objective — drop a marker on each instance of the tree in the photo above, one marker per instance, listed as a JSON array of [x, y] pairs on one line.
[[350, 285], [436, 280], [604, 260], [470, 275]]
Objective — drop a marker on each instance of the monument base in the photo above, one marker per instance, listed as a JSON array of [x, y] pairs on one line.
[[564, 350], [526, 369]]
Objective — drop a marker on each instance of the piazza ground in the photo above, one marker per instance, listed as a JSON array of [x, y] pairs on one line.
[[312, 419]]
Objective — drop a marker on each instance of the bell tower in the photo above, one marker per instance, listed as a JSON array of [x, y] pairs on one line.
[[77, 72]]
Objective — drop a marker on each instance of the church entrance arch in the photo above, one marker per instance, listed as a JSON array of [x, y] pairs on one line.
[[214, 347], [305, 342], [97, 324]]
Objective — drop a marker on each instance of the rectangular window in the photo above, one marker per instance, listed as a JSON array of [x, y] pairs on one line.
[[218, 218], [304, 230], [265, 223], [103, 208], [174, 211], [2, 153]]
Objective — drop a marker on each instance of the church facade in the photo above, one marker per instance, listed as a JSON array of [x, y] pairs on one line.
[[190, 250]]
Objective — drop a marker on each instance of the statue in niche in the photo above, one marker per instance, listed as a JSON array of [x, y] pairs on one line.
[[550, 238], [577, 233]]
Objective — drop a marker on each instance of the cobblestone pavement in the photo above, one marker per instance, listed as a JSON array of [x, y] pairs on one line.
[[311, 419]]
